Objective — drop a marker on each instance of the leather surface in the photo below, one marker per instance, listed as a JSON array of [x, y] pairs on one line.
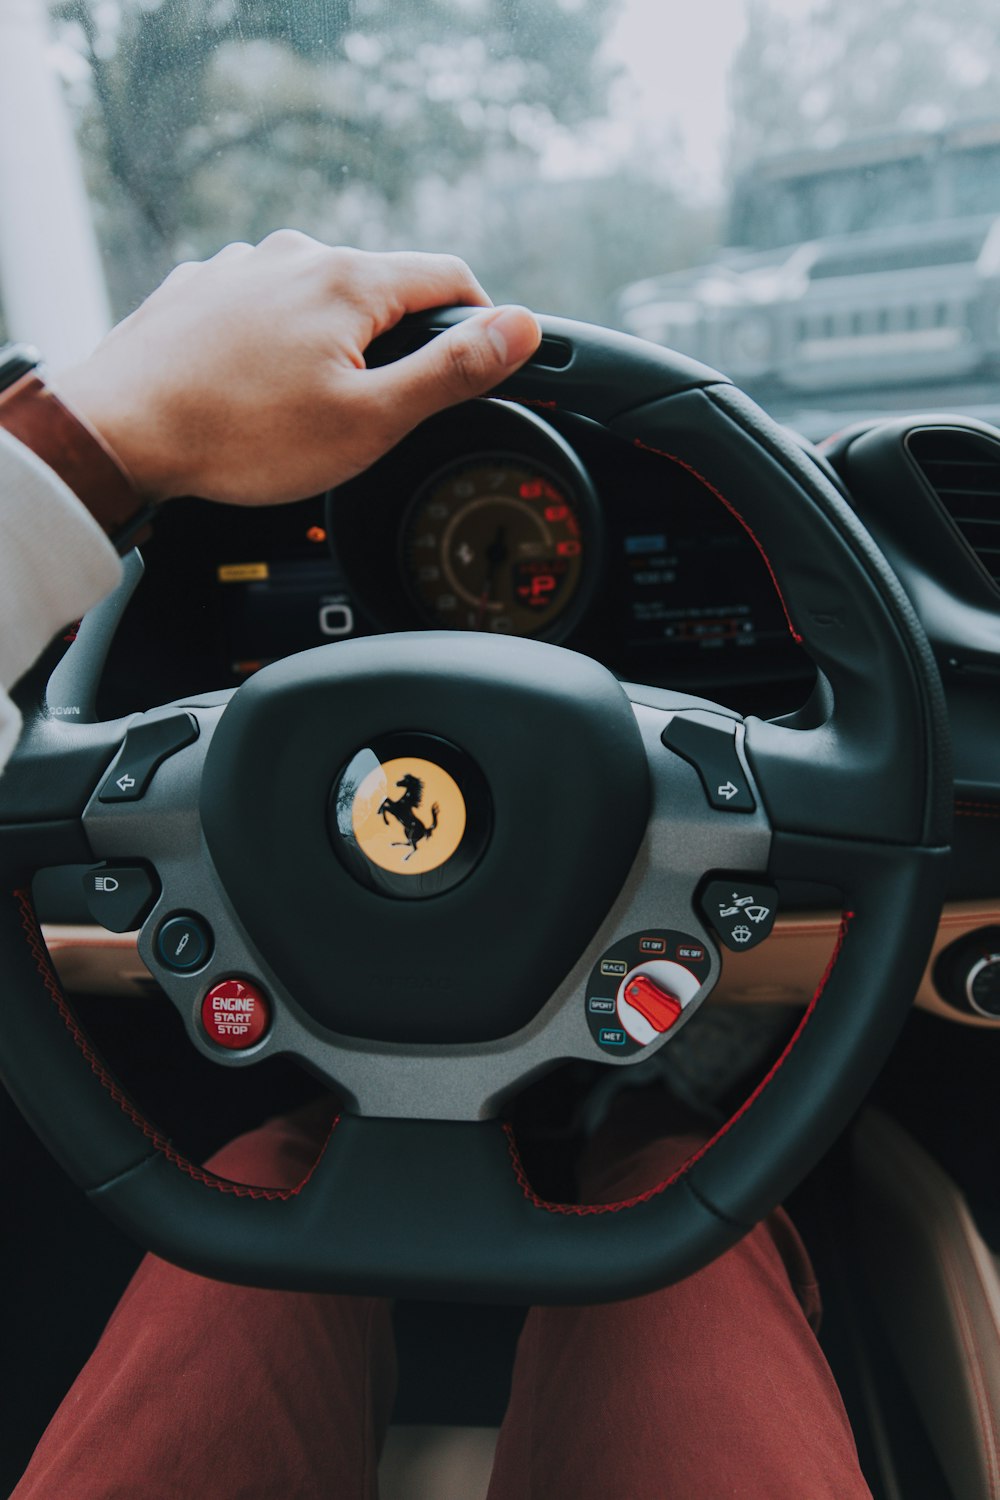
[[937, 1287]]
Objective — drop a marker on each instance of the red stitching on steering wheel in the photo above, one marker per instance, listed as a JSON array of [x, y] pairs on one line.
[[977, 809], [712, 490], [581, 1210], [161, 1142], [717, 493]]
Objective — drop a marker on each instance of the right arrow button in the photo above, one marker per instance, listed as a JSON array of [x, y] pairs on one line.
[[711, 749]]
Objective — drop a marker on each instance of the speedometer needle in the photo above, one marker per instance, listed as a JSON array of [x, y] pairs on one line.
[[496, 555], [496, 552]]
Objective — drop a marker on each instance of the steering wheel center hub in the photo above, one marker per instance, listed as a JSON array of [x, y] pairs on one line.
[[410, 815], [503, 783]]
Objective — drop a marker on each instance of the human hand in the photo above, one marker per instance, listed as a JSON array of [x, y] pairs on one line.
[[242, 378]]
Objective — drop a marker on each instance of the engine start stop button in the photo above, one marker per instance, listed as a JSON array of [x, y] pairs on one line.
[[235, 1014]]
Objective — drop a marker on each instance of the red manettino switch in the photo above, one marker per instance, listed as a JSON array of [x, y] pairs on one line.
[[658, 1007]]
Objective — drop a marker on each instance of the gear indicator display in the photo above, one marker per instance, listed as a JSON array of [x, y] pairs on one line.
[[640, 988]]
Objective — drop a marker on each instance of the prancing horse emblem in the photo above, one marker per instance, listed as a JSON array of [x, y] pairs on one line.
[[403, 810]]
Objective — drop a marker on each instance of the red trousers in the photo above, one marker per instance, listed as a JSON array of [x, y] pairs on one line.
[[713, 1388]]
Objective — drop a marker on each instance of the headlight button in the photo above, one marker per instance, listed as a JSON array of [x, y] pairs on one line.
[[119, 897]]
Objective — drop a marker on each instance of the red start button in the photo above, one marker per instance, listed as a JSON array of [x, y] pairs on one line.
[[235, 1014]]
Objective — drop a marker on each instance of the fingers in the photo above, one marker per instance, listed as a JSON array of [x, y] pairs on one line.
[[234, 249], [382, 288], [388, 284], [185, 269], [418, 280], [465, 361]]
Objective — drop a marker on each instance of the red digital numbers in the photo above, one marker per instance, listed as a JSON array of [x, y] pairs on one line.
[[569, 548], [541, 489]]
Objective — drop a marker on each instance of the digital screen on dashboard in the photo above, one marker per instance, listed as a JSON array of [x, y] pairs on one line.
[[688, 590], [273, 608]]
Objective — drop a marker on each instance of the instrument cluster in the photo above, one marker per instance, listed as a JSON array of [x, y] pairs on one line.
[[495, 526], [489, 517]]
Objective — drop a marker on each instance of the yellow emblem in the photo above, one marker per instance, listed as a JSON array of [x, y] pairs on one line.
[[407, 815]]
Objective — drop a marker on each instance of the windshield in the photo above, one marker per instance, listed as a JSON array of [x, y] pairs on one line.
[[802, 193]]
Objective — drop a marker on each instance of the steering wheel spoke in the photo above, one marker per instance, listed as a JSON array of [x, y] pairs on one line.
[[643, 974], [44, 789]]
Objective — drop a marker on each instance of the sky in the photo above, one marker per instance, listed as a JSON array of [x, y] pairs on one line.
[[671, 100], [677, 58]]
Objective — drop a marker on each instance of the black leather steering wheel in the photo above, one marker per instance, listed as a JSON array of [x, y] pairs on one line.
[[427, 1013]]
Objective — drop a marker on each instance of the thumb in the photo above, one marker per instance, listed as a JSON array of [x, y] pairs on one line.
[[465, 361]]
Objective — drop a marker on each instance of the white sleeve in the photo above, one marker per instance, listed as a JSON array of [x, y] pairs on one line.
[[55, 562]]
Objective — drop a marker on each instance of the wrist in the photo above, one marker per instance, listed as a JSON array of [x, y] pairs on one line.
[[132, 437], [34, 413]]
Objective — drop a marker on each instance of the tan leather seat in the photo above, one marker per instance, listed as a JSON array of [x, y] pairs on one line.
[[937, 1287], [437, 1463]]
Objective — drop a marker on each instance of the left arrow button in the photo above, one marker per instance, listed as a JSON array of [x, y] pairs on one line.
[[146, 745]]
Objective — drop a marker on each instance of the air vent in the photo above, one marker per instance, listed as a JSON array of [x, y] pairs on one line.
[[963, 469]]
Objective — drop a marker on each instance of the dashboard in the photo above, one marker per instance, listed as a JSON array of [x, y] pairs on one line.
[[489, 517]]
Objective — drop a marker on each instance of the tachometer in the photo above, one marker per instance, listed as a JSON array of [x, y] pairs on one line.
[[483, 518], [495, 542]]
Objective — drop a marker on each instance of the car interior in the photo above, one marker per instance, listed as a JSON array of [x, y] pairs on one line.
[[719, 701]]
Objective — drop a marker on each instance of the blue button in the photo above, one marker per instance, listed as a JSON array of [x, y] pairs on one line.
[[184, 943], [608, 1036]]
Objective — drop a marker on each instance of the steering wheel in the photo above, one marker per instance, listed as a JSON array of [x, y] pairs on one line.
[[592, 844]]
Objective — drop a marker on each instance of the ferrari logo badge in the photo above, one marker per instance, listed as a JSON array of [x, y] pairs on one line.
[[407, 815]]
